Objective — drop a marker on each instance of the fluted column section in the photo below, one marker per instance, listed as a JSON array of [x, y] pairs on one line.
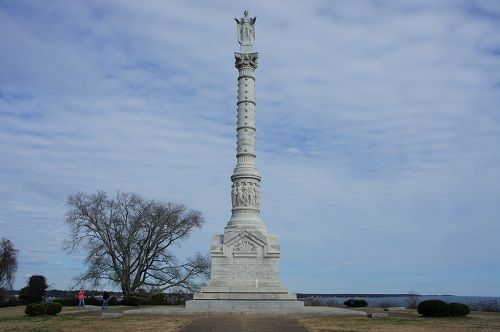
[[245, 190]]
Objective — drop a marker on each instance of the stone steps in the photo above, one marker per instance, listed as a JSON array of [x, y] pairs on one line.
[[245, 296], [243, 289], [243, 304]]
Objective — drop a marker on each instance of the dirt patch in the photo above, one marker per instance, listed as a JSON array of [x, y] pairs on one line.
[[12, 311]]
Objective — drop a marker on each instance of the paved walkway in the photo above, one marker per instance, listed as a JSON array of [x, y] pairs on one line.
[[244, 323], [92, 311]]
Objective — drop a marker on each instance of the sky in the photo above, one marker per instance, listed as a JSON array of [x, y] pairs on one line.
[[378, 131]]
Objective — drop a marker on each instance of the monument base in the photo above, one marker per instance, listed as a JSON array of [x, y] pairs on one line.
[[243, 304], [244, 274], [178, 310]]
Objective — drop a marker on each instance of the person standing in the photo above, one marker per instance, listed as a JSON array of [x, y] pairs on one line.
[[81, 298], [105, 298]]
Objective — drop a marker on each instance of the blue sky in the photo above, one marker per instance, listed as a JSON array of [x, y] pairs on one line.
[[378, 131]]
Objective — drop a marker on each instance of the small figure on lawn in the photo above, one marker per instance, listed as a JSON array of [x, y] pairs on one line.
[[105, 299], [81, 298]]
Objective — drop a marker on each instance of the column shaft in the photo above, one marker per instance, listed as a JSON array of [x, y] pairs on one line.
[[245, 190]]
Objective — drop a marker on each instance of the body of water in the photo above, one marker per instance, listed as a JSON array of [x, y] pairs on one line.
[[475, 302]]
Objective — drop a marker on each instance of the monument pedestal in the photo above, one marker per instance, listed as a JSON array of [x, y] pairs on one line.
[[245, 274]]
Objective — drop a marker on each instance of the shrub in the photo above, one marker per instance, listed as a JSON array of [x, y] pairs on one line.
[[332, 303], [93, 301], [35, 309], [458, 309], [112, 301], [311, 301], [166, 299], [68, 302], [131, 301], [53, 308], [11, 301], [3, 296], [355, 303], [145, 300], [158, 298], [177, 298], [385, 304], [433, 308]]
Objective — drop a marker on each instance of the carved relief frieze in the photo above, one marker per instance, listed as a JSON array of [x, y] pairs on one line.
[[245, 194], [245, 247]]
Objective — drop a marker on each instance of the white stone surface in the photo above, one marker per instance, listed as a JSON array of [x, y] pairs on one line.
[[111, 314], [245, 259], [395, 309], [243, 304], [378, 314], [304, 311], [246, 32]]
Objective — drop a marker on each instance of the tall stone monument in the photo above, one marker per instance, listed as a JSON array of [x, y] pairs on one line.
[[245, 259]]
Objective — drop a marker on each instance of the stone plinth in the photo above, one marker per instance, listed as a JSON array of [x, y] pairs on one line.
[[303, 311], [242, 305], [244, 275]]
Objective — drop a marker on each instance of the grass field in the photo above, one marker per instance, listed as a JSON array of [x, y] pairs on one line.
[[73, 319], [408, 321]]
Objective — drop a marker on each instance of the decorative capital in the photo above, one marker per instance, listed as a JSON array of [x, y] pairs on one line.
[[246, 60]]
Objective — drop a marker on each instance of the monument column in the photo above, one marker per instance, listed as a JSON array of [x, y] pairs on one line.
[[245, 189], [245, 259]]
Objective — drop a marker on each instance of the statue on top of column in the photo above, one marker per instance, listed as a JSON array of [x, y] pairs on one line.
[[246, 30]]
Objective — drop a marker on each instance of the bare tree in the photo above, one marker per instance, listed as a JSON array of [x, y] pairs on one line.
[[128, 240], [412, 301], [8, 263]]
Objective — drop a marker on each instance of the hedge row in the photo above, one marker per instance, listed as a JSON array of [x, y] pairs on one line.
[[35, 309], [155, 299], [355, 303], [438, 308]]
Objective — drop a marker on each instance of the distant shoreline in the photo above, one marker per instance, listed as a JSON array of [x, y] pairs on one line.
[[302, 295], [481, 303]]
